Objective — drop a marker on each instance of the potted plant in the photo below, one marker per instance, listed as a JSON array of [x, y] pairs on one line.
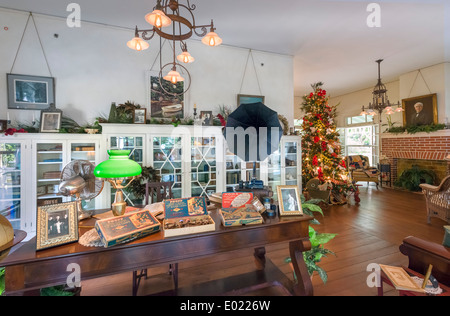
[[411, 179], [318, 240]]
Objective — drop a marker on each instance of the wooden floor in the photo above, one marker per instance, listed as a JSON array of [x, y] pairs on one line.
[[368, 232]]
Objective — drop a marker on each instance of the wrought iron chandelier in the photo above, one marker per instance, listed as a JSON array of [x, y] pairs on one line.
[[169, 13], [380, 100]]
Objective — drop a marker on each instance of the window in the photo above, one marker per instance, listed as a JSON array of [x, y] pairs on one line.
[[360, 119], [361, 140]]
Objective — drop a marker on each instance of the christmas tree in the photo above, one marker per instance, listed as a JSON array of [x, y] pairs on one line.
[[321, 148]]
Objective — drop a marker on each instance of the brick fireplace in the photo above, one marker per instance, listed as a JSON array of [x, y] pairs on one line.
[[428, 150]]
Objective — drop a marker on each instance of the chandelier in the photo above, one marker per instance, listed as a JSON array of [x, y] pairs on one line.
[[169, 13], [380, 100]]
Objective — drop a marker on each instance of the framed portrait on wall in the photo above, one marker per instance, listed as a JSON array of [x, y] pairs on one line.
[[167, 101], [289, 200], [420, 110], [245, 99], [30, 92]]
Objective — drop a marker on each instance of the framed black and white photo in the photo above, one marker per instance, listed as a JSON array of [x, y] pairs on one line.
[[289, 200], [50, 121], [57, 224], [206, 117], [3, 125], [139, 116], [30, 92]]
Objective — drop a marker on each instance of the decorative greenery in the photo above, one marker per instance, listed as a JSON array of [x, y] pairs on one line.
[[285, 123], [411, 178], [2, 280], [59, 290], [122, 113], [318, 240], [148, 174], [416, 129]]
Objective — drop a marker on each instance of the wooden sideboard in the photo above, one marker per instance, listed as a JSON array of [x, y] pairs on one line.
[[28, 269]]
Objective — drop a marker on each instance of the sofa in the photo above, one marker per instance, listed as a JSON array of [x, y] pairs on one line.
[[359, 169]]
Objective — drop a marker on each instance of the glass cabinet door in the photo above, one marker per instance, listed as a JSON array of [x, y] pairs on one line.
[[274, 171], [49, 164], [11, 183], [167, 159], [290, 162], [203, 166], [135, 145], [233, 170]]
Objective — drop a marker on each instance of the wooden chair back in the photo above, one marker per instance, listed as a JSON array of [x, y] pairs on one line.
[[157, 192]]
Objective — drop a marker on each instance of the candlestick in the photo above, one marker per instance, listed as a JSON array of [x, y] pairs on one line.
[[7, 118]]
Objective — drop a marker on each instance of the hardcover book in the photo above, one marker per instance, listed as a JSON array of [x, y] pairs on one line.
[[400, 279], [186, 216], [121, 229]]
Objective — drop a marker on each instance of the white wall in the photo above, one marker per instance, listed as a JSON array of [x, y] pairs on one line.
[[93, 67]]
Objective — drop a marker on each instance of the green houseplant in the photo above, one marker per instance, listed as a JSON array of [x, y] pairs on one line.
[[318, 240], [410, 179]]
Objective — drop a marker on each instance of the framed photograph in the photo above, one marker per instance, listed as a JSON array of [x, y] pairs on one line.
[[57, 225], [420, 110], [140, 116], [3, 125], [162, 104], [30, 92], [245, 99], [289, 200], [206, 117], [50, 122]]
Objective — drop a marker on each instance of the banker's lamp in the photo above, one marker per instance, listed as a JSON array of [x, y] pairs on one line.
[[117, 170]]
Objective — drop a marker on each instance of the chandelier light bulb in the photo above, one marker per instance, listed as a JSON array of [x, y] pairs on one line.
[[173, 76], [185, 57], [212, 39], [158, 19], [138, 44]]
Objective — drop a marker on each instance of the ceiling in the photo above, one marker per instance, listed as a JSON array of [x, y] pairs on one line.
[[330, 40]]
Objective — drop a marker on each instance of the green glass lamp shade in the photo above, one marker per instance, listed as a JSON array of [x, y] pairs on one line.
[[118, 166]]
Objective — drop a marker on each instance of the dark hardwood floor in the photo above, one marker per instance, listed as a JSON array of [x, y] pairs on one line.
[[368, 232]]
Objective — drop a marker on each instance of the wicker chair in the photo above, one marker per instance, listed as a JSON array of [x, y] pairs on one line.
[[438, 199], [359, 169]]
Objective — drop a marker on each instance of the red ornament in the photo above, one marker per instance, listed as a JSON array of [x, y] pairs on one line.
[[315, 161], [316, 139]]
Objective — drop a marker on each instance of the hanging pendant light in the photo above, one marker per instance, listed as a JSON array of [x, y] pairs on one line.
[[138, 44], [158, 18], [185, 57], [173, 76], [212, 39]]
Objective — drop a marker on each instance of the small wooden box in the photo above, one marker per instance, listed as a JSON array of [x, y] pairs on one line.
[[121, 229], [186, 216]]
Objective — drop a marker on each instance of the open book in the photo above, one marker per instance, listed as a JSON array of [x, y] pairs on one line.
[[400, 279]]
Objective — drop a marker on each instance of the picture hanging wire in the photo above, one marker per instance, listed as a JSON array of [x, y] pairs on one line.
[[419, 72], [40, 42], [250, 54]]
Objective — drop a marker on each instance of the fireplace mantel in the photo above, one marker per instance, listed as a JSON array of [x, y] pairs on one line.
[[440, 133]]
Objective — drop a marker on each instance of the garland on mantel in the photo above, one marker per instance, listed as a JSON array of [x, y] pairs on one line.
[[416, 129]]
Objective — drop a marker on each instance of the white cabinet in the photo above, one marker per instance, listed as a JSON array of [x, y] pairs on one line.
[[31, 166]]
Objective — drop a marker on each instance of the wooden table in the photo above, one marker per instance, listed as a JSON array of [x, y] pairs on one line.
[[28, 269]]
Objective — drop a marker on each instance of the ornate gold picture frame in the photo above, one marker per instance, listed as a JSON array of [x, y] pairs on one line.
[[289, 200], [57, 224], [428, 110]]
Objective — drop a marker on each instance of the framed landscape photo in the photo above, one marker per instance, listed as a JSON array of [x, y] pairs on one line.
[[139, 116], [57, 224], [420, 110], [245, 99], [30, 92], [50, 121], [289, 200]]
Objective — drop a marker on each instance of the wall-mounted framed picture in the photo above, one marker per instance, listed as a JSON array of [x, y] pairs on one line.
[[420, 110], [50, 121], [57, 224], [3, 126], [139, 116], [289, 200], [161, 103], [246, 98], [30, 92]]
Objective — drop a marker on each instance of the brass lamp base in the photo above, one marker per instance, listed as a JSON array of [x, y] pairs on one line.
[[119, 206]]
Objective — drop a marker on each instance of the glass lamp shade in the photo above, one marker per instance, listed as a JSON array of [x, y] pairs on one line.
[[185, 57], [173, 76], [158, 19], [118, 166], [399, 109], [212, 39], [138, 44]]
